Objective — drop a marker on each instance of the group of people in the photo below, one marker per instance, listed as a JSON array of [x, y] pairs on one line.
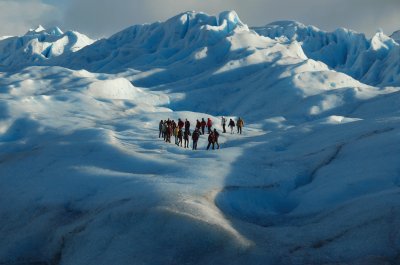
[[239, 125], [181, 131]]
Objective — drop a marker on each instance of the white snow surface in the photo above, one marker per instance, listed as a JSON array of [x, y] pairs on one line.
[[85, 179]]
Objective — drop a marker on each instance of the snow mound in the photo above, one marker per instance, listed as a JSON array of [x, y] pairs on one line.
[[113, 89], [121, 88]]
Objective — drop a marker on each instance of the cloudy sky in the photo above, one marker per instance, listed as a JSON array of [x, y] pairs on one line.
[[99, 18]]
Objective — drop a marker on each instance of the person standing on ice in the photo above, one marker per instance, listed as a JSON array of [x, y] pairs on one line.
[[211, 140], [176, 130], [239, 125], [198, 125], [186, 135], [232, 125], [180, 124], [216, 135], [160, 128], [173, 124], [187, 125], [223, 123], [209, 125], [164, 130], [203, 125], [195, 138], [180, 137], [169, 132]]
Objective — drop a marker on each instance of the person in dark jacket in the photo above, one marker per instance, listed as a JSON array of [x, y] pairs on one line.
[[180, 123], [160, 125], [187, 125], [216, 135], [164, 130], [173, 125], [186, 135], [211, 140], [203, 125], [198, 125], [195, 138], [232, 125], [180, 137]]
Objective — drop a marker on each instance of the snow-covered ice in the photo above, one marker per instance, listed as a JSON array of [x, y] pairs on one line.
[[373, 61], [314, 178]]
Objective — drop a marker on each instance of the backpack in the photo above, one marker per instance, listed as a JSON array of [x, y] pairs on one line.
[[195, 136], [211, 137], [186, 134]]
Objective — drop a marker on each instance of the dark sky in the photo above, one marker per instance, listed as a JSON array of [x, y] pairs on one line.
[[98, 18]]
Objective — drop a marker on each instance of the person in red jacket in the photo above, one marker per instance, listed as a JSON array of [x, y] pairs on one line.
[[170, 132], [209, 125], [203, 125]]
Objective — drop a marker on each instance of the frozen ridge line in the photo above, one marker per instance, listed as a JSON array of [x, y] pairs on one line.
[[38, 46], [373, 61]]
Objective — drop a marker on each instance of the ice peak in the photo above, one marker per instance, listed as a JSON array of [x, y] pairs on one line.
[[54, 31], [38, 29], [231, 19], [381, 41]]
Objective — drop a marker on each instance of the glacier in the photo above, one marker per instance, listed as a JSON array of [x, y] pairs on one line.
[[37, 46], [373, 61], [314, 178]]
